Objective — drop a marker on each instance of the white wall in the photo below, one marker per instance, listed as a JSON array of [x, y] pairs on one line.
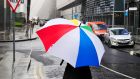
[[44, 9], [68, 12], [62, 3]]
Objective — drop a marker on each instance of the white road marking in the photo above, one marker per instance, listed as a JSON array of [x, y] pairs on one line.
[[117, 72]]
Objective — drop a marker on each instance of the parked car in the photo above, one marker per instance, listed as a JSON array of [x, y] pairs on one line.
[[118, 37], [99, 28]]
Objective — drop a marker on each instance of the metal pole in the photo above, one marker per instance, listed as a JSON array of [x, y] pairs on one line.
[[72, 12], [128, 15], [139, 12], [113, 19], [5, 12], [134, 32], [13, 25], [113, 14], [124, 23]]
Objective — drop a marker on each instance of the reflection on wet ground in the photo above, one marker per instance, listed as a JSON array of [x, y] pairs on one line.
[[21, 33], [54, 72], [113, 59], [3, 50], [42, 57], [130, 69], [101, 73]]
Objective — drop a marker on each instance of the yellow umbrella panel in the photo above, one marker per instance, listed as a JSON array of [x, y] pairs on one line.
[[76, 22]]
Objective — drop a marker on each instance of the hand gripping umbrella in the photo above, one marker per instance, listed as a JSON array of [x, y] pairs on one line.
[[76, 45]]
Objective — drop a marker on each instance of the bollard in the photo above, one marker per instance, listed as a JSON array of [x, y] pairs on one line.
[[29, 65]]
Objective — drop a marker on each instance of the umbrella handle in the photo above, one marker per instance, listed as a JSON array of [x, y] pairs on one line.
[[61, 62], [79, 24]]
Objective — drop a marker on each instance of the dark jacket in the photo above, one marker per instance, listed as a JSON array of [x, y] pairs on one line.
[[77, 73]]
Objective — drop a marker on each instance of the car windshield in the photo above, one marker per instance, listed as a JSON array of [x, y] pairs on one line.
[[100, 27], [119, 32]]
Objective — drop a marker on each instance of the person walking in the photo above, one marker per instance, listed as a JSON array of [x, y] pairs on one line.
[[77, 73], [32, 25]]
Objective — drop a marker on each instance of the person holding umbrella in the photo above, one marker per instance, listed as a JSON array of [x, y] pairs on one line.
[[78, 46], [76, 73]]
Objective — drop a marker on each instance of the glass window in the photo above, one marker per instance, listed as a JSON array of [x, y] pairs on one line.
[[94, 26], [102, 26], [119, 32], [99, 27], [119, 5]]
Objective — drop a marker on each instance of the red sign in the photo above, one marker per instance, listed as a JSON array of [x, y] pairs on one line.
[[12, 6]]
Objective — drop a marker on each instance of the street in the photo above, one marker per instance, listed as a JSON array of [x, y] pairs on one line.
[[58, 39], [121, 62], [115, 63]]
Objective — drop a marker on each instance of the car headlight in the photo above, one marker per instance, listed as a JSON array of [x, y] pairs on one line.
[[114, 40], [132, 39]]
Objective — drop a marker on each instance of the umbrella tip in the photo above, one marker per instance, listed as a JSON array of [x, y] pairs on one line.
[[61, 62]]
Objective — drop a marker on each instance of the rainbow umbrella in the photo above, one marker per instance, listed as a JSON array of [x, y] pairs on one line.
[[76, 22], [76, 45]]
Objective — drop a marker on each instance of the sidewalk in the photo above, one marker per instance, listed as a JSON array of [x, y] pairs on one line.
[[137, 39], [20, 34], [131, 51], [21, 65]]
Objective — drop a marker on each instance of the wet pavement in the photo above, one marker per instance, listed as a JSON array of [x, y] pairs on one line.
[[121, 62], [118, 61], [102, 73], [129, 69], [114, 59], [132, 51], [21, 34], [137, 38], [20, 70]]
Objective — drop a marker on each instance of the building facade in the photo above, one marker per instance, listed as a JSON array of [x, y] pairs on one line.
[[123, 13], [109, 11], [69, 9], [132, 17]]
